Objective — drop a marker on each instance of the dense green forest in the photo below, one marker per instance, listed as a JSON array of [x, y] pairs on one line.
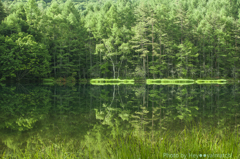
[[119, 39]]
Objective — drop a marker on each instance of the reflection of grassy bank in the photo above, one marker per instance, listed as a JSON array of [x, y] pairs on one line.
[[70, 81], [194, 141]]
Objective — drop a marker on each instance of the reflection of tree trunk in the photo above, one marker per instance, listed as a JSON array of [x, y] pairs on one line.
[[160, 115], [211, 99], [90, 104], [218, 101], [61, 106], [142, 120], [152, 113], [120, 95], [144, 95], [55, 99], [235, 107], [187, 98], [100, 98], [181, 102], [147, 95], [113, 95], [167, 95], [203, 100]]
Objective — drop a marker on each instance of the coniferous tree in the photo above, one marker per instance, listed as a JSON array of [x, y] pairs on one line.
[[3, 13]]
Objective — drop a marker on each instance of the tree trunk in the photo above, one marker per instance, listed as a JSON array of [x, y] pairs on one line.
[[113, 68], [181, 48], [54, 55], [90, 55], [144, 67], [160, 53], [204, 59], [152, 48], [147, 67], [119, 68]]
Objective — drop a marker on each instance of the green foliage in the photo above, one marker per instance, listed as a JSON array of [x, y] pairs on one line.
[[25, 56], [2, 12], [112, 38]]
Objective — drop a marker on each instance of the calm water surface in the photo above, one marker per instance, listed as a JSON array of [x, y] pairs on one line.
[[33, 115]]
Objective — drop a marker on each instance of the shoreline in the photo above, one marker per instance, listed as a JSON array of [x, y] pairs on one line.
[[144, 81]]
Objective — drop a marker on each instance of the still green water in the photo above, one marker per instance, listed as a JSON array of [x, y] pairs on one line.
[[73, 118]]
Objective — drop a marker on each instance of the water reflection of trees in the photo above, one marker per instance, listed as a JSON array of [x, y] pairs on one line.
[[92, 114]]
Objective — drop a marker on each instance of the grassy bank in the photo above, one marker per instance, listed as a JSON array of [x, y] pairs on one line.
[[102, 81], [170, 81], [135, 145], [137, 80]]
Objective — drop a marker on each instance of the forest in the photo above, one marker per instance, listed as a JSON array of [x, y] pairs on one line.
[[141, 39]]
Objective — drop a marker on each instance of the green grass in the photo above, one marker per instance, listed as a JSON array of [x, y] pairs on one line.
[[135, 145], [170, 81], [219, 81], [195, 141], [102, 81]]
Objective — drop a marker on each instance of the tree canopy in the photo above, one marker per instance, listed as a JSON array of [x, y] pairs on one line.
[[120, 39]]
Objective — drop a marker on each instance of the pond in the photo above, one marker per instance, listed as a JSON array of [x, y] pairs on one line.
[[120, 121]]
